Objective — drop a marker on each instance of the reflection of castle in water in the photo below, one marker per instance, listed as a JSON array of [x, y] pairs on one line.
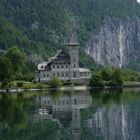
[[65, 110]]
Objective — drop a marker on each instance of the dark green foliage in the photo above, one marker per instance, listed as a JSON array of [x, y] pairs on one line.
[[96, 80], [55, 83], [106, 73], [20, 84], [17, 58], [6, 69], [87, 62], [134, 65], [108, 77], [11, 65], [117, 77]]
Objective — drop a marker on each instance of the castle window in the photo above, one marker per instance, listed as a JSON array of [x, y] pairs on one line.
[[66, 66], [47, 75], [53, 66], [75, 101], [53, 74], [58, 66], [44, 75], [74, 74], [62, 74], [67, 102], [67, 74], [62, 66], [58, 74], [74, 66]]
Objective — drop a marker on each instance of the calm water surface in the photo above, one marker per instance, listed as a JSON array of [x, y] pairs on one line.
[[73, 115]]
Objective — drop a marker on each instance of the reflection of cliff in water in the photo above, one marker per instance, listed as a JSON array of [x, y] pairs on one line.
[[118, 123], [65, 110]]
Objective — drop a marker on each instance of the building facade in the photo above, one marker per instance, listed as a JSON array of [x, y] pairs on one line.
[[64, 66]]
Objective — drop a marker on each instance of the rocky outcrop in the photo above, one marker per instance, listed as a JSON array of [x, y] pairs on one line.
[[116, 43]]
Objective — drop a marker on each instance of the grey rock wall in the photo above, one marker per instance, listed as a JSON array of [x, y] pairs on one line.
[[117, 42]]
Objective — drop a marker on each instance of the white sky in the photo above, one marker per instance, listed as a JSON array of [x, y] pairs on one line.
[[138, 1]]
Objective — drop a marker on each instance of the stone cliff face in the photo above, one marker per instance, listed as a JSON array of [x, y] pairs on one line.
[[117, 42]]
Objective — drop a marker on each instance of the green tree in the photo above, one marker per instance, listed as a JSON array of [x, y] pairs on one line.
[[96, 80], [106, 73], [17, 58], [6, 69], [117, 77], [55, 83]]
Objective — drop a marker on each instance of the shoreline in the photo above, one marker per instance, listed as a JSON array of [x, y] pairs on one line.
[[64, 88]]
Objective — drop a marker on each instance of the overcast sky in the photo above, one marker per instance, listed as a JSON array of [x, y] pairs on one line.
[[138, 1]]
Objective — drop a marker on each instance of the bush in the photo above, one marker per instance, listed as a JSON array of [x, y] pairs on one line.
[[96, 80], [55, 83], [20, 84], [106, 73], [117, 77]]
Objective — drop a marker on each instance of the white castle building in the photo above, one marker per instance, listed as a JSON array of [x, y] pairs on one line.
[[64, 66]]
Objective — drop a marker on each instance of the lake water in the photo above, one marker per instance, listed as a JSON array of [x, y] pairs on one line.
[[71, 115]]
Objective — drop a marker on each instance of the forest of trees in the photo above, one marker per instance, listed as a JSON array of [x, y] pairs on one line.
[[43, 26]]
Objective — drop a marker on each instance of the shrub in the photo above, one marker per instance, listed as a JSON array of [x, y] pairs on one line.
[[96, 80], [106, 73], [117, 77], [20, 84], [55, 83]]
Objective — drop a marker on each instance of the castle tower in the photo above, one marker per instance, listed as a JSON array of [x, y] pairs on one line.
[[74, 60]]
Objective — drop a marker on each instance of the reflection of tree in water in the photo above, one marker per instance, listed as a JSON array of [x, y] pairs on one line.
[[11, 110]]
